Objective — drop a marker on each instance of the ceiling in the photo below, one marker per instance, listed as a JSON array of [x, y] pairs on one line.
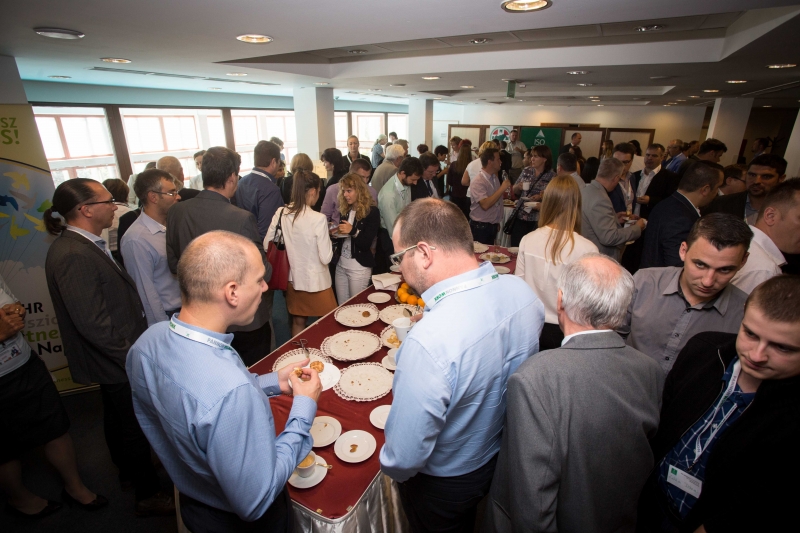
[[191, 46]]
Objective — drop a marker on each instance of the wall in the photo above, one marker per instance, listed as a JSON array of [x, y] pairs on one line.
[[682, 122], [770, 122]]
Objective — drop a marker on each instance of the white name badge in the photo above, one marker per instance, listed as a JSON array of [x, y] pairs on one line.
[[686, 482]]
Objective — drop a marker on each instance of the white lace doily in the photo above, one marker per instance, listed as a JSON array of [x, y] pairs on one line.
[[387, 332], [495, 257], [353, 316], [364, 382], [298, 355], [389, 313], [351, 345], [479, 247]]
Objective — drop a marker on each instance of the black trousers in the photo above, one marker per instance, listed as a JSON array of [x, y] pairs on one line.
[[483, 232], [551, 337], [462, 203], [445, 504], [202, 518], [126, 442], [252, 346], [522, 228]]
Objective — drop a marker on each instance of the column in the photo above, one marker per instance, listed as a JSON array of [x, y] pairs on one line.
[[313, 112], [728, 122], [792, 154], [420, 123]]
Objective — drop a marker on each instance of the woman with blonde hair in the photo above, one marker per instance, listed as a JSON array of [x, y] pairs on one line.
[[557, 242], [305, 233], [607, 150], [359, 222]]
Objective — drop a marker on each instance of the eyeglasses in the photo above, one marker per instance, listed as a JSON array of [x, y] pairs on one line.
[[397, 258], [167, 193], [109, 202]]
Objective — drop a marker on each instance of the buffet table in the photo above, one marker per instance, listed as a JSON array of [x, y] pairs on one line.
[[352, 496]]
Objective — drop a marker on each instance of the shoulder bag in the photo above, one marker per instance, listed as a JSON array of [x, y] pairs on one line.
[[278, 258]]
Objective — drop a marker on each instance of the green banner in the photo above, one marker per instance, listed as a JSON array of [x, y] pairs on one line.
[[534, 136]]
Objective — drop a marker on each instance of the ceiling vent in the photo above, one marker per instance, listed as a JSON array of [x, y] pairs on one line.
[[179, 76]]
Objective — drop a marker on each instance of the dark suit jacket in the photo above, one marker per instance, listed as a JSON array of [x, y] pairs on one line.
[[98, 309], [420, 190], [575, 452], [187, 194], [210, 211], [733, 204], [662, 186], [667, 228], [363, 235]]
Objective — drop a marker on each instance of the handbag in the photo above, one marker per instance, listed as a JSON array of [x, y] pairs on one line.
[[278, 258], [512, 220]]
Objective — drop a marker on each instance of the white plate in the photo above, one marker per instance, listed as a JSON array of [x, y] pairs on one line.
[[387, 363], [298, 355], [314, 479], [390, 313], [394, 268], [364, 382], [385, 334], [352, 316], [495, 257], [379, 297], [502, 270], [351, 345], [325, 430], [479, 247], [364, 442], [329, 376], [379, 415], [532, 204], [513, 250]]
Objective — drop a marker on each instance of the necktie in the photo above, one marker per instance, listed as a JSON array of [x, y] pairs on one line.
[[428, 184]]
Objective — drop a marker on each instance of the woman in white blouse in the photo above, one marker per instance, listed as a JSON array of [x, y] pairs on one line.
[[544, 252], [308, 246]]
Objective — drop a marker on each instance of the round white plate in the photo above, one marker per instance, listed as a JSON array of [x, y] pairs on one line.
[[325, 430], [314, 479], [329, 376], [379, 297], [502, 270], [352, 316], [394, 268], [498, 257], [385, 334], [513, 250], [365, 446], [390, 313], [295, 356], [393, 352], [479, 247], [379, 415], [364, 382], [351, 345], [387, 363]]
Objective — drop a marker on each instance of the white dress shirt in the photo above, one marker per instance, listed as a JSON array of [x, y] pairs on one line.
[[586, 332], [644, 183], [764, 262]]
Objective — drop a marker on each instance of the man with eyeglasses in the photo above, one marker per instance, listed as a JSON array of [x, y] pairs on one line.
[[443, 433], [733, 181], [100, 316], [144, 247]]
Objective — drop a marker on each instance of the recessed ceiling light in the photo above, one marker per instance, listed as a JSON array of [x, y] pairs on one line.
[[482, 40], [540, 105], [667, 105], [467, 86], [482, 99], [321, 83], [214, 88], [397, 85], [236, 74], [660, 77], [736, 81], [585, 84], [522, 85], [522, 6], [437, 98], [376, 90], [710, 90], [694, 97], [508, 79], [430, 77], [782, 65], [459, 101], [522, 100], [577, 72], [673, 103], [59, 33], [60, 77], [680, 100], [357, 51], [651, 27], [115, 60], [766, 106], [600, 105], [255, 38]]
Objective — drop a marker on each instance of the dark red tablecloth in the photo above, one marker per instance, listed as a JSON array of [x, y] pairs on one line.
[[345, 482]]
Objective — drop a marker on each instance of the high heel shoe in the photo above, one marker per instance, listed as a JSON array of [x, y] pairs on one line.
[[49, 509], [98, 503]]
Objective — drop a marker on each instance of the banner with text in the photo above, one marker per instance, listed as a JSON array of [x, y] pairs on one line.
[[535, 136]]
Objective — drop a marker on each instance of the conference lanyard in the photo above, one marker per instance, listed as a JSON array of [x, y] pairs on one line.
[[196, 336], [698, 448], [461, 287]]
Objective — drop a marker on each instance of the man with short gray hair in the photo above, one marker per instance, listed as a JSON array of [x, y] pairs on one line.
[[394, 156], [594, 401], [172, 165]]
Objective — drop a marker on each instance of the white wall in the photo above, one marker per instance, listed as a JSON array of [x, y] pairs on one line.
[[682, 122], [443, 116]]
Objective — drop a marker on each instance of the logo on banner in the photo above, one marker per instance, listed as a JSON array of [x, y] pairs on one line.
[[500, 132], [540, 139]]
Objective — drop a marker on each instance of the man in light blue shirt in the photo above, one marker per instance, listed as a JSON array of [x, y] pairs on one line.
[[144, 247], [206, 416], [449, 389]]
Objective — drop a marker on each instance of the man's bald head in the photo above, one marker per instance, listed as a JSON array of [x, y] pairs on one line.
[[211, 261], [171, 164]]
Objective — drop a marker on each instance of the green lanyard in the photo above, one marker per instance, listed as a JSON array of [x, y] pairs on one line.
[[461, 287]]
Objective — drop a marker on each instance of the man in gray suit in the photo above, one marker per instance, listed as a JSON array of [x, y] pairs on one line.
[[211, 210], [394, 156], [601, 224], [575, 452], [100, 316]]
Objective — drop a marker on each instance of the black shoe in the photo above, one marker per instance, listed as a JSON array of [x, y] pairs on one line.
[[159, 504], [98, 503], [49, 509]]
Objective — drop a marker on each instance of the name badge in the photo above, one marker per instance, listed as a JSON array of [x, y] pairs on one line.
[[686, 482]]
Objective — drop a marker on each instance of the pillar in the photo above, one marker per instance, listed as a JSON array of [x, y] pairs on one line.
[[728, 122], [420, 123], [792, 154], [313, 113]]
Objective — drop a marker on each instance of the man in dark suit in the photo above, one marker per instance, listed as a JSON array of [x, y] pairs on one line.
[[673, 218], [100, 316], [575, 448], [212, 210], [711, 151], [573, 144], [650, 186], [425, 187]]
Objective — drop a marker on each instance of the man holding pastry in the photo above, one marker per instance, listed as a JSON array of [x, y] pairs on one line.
[[207, 417]]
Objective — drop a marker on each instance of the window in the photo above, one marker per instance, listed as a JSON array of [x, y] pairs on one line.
[[77, 143], [341, 130], [398, 124], [154, 133], [251, 126], [367, 126]]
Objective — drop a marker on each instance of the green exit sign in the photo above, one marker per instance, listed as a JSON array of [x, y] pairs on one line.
[[512, 89]]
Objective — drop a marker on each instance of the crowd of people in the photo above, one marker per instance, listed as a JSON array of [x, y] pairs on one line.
[[606, 385]]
